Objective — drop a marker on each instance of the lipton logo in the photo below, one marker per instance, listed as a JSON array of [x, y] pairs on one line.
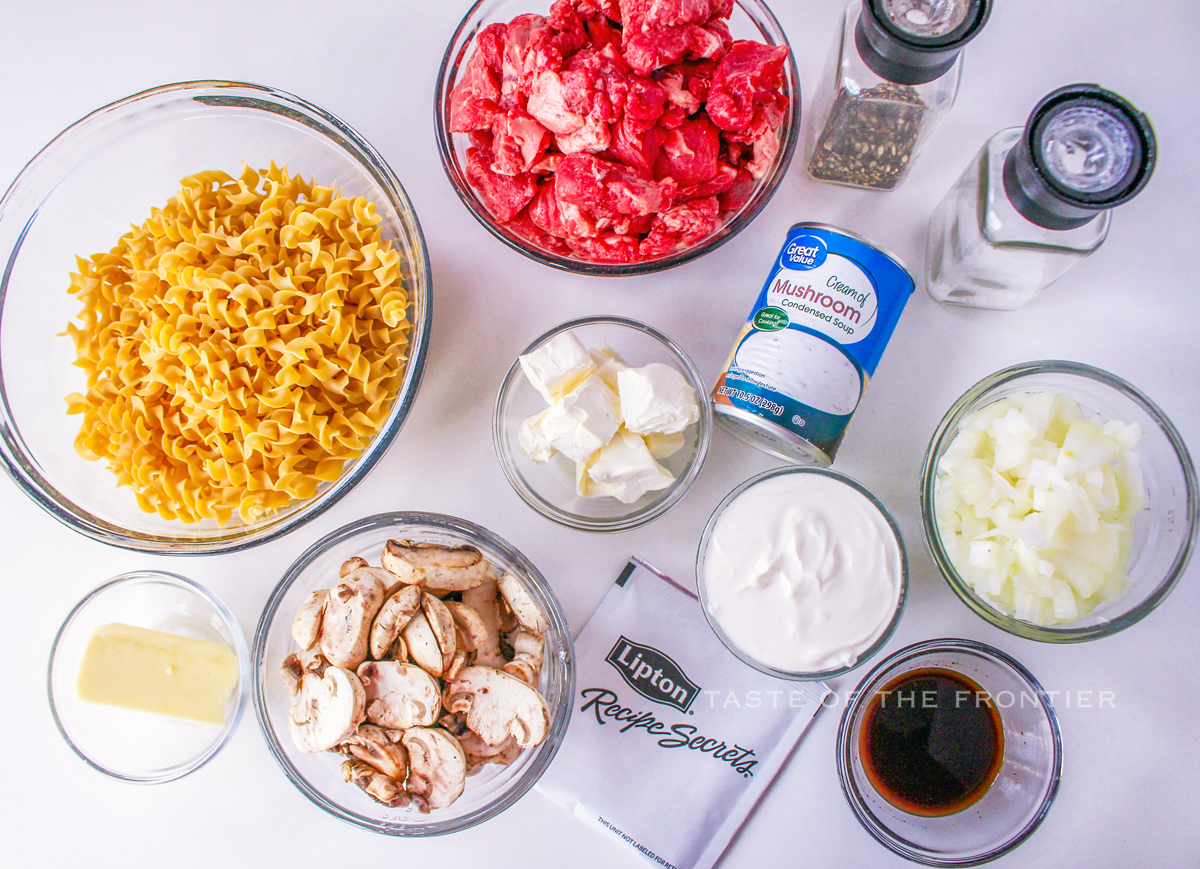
[[652, 674]]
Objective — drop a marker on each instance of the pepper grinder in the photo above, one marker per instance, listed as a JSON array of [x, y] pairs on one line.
[[1037, 200], [895, 73]]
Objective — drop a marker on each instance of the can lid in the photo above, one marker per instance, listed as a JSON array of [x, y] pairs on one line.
[[916, 41], [1084, 150]]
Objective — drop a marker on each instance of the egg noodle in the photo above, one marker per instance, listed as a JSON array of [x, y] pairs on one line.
[[241, 345]]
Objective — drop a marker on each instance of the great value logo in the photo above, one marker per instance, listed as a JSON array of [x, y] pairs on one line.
[[652, 674]]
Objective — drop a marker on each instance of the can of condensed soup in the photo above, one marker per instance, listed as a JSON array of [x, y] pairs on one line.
[[799, 367]]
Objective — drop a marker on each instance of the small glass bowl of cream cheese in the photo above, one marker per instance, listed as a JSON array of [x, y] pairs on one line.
[[802, 573], [149, 676], [551, 482]]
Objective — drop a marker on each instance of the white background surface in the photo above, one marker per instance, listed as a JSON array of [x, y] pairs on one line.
[[1131, 780]]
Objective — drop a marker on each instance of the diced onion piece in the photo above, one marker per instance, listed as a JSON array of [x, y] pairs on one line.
[[1035, 504]]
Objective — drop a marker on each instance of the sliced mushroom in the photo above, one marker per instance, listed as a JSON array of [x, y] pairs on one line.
[[306, 627], [399, 695], [295, 665], [437, 767], [526, 663], [349, 611], [485, 602], [522, 605], [352, 564], [381, 788], [502, 755], [471, 626], [422, 645], [328, 709], [431, 565], [442, 625], [456, 664], [378, 748], [392, 618], [496, 705]]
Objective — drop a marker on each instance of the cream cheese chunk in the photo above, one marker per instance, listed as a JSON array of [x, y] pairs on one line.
[[663, 446], [532, 440], [558, 366], [608, 364], [625, 469], [656, 399], [583, 420], [154, 671]]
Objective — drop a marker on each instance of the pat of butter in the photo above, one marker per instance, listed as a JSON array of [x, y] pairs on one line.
[[153, 671], [656, 399], [557, 366]]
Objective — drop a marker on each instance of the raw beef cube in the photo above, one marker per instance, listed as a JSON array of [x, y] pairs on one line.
[[738, 194], [597, 83], [474, 99], [644, 15], [644, 104], [606, 248], [748, 74], [490, 43], [689, 154], [604, 187], [718, 183], [548, 104], [592, 9], [569, 33], [647, 52], [503, 195], [562, 219], [517, 40], [518, 141], [766, 148], [639, 149], [681, 226], [593, 137], [601, 32], [523, 226]]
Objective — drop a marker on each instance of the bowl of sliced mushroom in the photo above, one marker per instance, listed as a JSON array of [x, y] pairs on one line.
[[413, 674]]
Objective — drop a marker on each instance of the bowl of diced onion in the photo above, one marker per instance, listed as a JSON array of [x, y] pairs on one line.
[[1059, 502]]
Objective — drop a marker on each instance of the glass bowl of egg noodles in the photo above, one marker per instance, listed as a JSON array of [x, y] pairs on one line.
[[1059, 502], [567, 481], [214, 317]]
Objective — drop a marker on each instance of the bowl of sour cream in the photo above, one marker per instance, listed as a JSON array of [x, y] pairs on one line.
[[802, 573]]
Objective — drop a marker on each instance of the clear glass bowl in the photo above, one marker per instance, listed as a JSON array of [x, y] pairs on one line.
[[318, 776], [133, 746], [1019, 797], [550, 488], [1163, 533], [702, 553], [78, 196], [751, 19]]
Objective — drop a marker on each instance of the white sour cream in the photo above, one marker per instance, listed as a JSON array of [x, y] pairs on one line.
[[802, 572]]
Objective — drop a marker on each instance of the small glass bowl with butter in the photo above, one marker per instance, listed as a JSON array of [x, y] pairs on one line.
[[802, 573], [574, 452], [164, 668]]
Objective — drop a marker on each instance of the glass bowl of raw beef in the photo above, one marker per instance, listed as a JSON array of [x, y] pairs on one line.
[[610, 147]]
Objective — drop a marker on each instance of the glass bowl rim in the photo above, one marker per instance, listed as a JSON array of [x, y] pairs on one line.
[[860, 696], [866, 654], [560, 716], [240, 650], [946, 430], [677, 490], [764, 191], [243, 95]]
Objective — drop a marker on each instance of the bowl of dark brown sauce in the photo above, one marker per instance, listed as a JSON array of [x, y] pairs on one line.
[[949, 753]]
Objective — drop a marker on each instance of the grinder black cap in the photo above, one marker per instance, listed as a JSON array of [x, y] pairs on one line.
[[916, 41], [1049, 195]]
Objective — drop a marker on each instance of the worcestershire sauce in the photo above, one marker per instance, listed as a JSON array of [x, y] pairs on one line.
[[931, 742]]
